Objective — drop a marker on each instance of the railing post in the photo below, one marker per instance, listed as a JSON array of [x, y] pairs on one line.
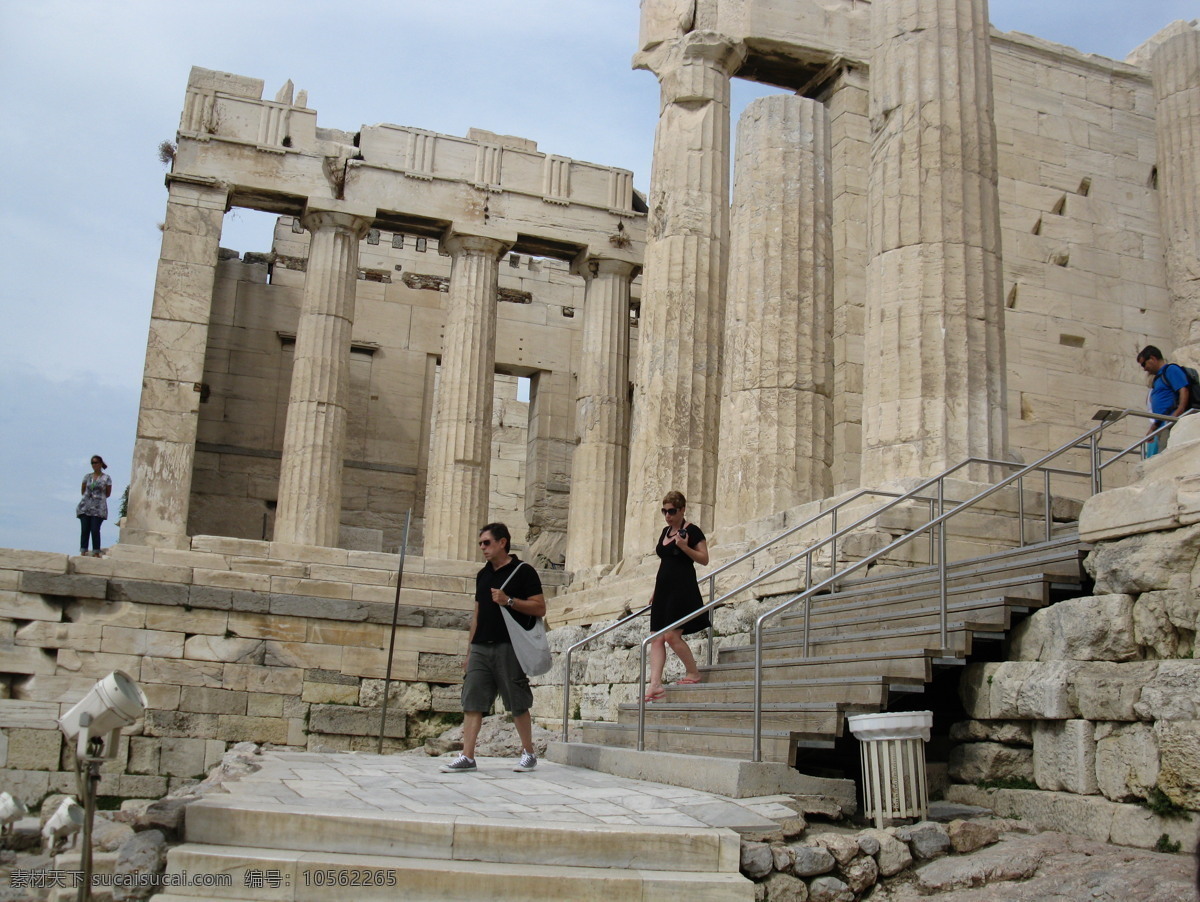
[[941, 533], [566, 693], [807, 608], [1049, 504], [932, 537], [641, 733], [1095, 454], [833, 549], [1021, 512], [756, 753], [712, 596]]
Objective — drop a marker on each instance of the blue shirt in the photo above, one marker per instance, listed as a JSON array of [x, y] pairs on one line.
[[1164, 393]]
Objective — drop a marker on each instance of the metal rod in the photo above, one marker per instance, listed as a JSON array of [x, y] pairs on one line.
[[387, 682], [1049, 504]]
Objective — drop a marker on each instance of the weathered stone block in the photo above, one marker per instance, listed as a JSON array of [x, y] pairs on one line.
[[180, 723], [329, 693], [411, 698], [147, 592], [345, 720], [328, 608], [975, 762], [182, 757], [1064, 756], [1173, 693], [1005, 732], [1110, 691], [236, 728], [1126, 760], [33, 749], [223, 650], [143, 755], [1048, 692], [199, 700], [75, 585], [1144, 563], [247, 677], [121, 640], [1179, 758], [1152, 627], [1098, 628], [967, 836], [264, 704]]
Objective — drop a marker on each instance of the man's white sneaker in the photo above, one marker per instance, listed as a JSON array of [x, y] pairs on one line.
[[461, 763], [528, 762]]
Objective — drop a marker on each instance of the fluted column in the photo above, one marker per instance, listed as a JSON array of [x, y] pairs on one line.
[[1176, 69], [165, 449], [776, 409], [600, 466], [934, 374], [314, 439], [456, 497], [677, 392]]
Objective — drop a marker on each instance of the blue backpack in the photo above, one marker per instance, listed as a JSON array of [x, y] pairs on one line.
[[1193, 380]]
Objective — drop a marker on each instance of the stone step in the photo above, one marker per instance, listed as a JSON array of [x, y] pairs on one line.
[[777, 746], [248, 822], [305, 876], [996, 612], [870, 691], [1033, 590], [816, 718], [960, 636], [912, 663]]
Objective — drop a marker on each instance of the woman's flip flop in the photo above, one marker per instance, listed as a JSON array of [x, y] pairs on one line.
[[655, 696], [686, 681]]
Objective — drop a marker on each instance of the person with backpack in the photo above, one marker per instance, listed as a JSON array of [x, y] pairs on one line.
[[1172, 392]]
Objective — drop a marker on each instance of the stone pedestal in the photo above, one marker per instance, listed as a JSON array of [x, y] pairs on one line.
[[673, 444], [934, 372], [310, 474], [163, 454], [776, 409], [1176, 69], [601, 462], [459, 457]]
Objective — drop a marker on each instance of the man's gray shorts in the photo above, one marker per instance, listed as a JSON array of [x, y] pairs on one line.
[[492, 669]]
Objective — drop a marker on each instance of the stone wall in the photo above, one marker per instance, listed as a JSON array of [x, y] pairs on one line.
[[231, 641], [1100, 696]]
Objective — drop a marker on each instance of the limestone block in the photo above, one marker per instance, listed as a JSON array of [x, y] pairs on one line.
[[28, 606], [201, 700], [163, 697], [140, 786], [268, 626], [109, 613], [968, 836], [1152, 627], [179, 723], [33, 749], [975, 762], [238, 728], [146, 592], [264, 704], [411, 698], [97, 664], [1182, 607], [121, 640], [926, 839], [1007, 732], [1173, 693], [194, 622], [1048, 692], [353, 721], [47, 634], [1143, 563], [1111, 691], [1126, 760], [1179, 756], [182, 672], [860, 873], [27, 659], [183, 758], [305, 655], [1064, 756], [219, 648], [41, 583], [329, 693], [220, 598], [45, 561], [829, 889], [447, 699], [143, 754], [225, 579], [1098, 628], [785, 888]]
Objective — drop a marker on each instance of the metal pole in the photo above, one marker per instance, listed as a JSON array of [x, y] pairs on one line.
[[387, 682], [941, 531], [1049, 504], [566, 692]]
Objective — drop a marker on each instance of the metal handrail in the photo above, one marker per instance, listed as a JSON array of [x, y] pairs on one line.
[[1088, 439]]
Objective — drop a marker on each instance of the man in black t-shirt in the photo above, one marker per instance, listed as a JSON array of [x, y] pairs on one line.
[[491, 666]]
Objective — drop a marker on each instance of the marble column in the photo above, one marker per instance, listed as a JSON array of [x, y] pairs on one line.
[[600, 465], [677, 391], [164, 452], [776, 408], [1176, 69], [934, 372], [314, 439], [456, 496]]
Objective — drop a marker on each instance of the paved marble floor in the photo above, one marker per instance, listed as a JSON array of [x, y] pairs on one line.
[[398, 784]]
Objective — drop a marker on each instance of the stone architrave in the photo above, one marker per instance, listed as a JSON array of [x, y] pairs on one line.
[[600, 466], [934, 371], [1176, 70], [776, 406], [677, 384], [310, 473], [165, 448], [456, 498]]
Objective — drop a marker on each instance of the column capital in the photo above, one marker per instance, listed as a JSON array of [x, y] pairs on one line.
[[710, 49], [496, 244], [590, 265], [357, 222]]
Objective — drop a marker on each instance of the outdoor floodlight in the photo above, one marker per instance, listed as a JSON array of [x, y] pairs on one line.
[[114, 702], [66, 821], [11, 810]]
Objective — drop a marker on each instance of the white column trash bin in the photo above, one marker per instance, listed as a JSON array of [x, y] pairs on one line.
[[892, 747]]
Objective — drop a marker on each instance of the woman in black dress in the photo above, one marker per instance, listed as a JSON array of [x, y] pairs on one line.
[[681, 545]]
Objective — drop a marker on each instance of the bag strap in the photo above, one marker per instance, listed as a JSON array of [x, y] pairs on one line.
[[520, 564]]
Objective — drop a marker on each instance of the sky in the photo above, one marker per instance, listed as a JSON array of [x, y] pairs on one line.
[[89, 90]]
